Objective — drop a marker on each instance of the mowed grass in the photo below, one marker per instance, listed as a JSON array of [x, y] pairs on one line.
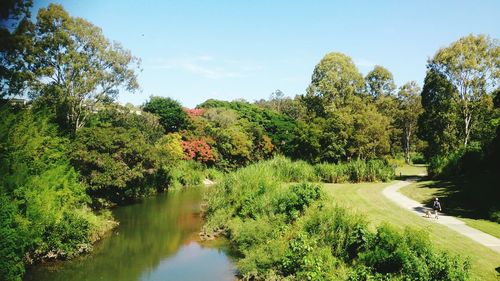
[[411, 170], [367, 199], [425, 191]]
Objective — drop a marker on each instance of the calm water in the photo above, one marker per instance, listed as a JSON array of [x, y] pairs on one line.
[[156, 240]]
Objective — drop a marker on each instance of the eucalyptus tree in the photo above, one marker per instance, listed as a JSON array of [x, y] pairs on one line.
[[334, 80], [67, 64], [410, 107], [472, 66], [379, 82]]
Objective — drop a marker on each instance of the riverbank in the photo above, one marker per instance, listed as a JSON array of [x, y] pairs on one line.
[[157, 238]]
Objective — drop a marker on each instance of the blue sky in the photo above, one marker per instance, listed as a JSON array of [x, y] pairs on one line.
[[196, 50]]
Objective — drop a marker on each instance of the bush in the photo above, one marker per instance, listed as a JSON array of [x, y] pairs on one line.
[[418, 158], [411, 254], [13, 241], [299, 196], [214, 174], [44, 212], [184, 174], [458, 162], [495, 216]]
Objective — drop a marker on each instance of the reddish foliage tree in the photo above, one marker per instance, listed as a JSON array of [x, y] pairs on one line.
[[198, 150], [195, 112]]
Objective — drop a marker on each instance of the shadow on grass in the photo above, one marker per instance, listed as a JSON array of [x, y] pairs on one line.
[[411, 178], [468, 197]]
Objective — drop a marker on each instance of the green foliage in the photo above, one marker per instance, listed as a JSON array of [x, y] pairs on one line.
[[292, 232], [456, 163], [117, 164], [291, 171], [77, 67], [410, 255], [406, 119], [169, 149], [353, 171], [115, 115], [379, 82], [185, 174], [334, 80], [439, 122], [12, 246], [417, 158], [172, 116], [299, 197], [278, 127], [45, 213], [214, 174], [472, 67]]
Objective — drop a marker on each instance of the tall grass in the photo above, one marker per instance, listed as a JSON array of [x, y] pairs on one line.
[[353, 171]]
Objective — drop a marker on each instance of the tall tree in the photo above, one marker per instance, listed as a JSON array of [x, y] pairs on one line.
[[334, 80], [438, 124], [68, 64], [379, 82], [410, 108], [172, 116], [472, 66]]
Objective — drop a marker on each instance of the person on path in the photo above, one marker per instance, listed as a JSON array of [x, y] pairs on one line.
[[436, 207]]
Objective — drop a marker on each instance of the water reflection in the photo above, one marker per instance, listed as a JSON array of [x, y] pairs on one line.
[[156, 240]]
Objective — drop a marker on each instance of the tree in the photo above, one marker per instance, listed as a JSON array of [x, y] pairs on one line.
[[334, 80], [367, 130], [410, 107], [11, 10], [170, 149], [69, 65], [115, 115], [198, 150], [438, 124], [172, 115], [472, 66], [116, 163], [379, 82]]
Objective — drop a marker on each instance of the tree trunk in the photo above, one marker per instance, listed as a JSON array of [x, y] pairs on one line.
[[407, 145], [467, 123]]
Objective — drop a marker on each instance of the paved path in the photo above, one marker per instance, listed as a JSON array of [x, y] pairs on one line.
[[457, 225]]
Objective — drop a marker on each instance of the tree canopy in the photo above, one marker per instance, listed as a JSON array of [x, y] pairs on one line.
[[172, 116], [69, 65]]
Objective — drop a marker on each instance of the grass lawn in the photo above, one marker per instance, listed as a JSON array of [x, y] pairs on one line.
[[367, 199], [426, 191], [411, 170]]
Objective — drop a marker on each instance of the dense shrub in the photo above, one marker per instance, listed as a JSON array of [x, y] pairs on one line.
[[116, 163], [418, 158], [13, 241], [44, 212], [213, 174], [299, 196], [185, 173], [458, 162]]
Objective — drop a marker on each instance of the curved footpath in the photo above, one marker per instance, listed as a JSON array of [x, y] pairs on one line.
[[391, 192]]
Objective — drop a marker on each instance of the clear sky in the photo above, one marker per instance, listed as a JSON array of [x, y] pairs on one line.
[[196, 50]]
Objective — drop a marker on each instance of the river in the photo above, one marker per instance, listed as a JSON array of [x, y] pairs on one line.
[[157, 239]]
